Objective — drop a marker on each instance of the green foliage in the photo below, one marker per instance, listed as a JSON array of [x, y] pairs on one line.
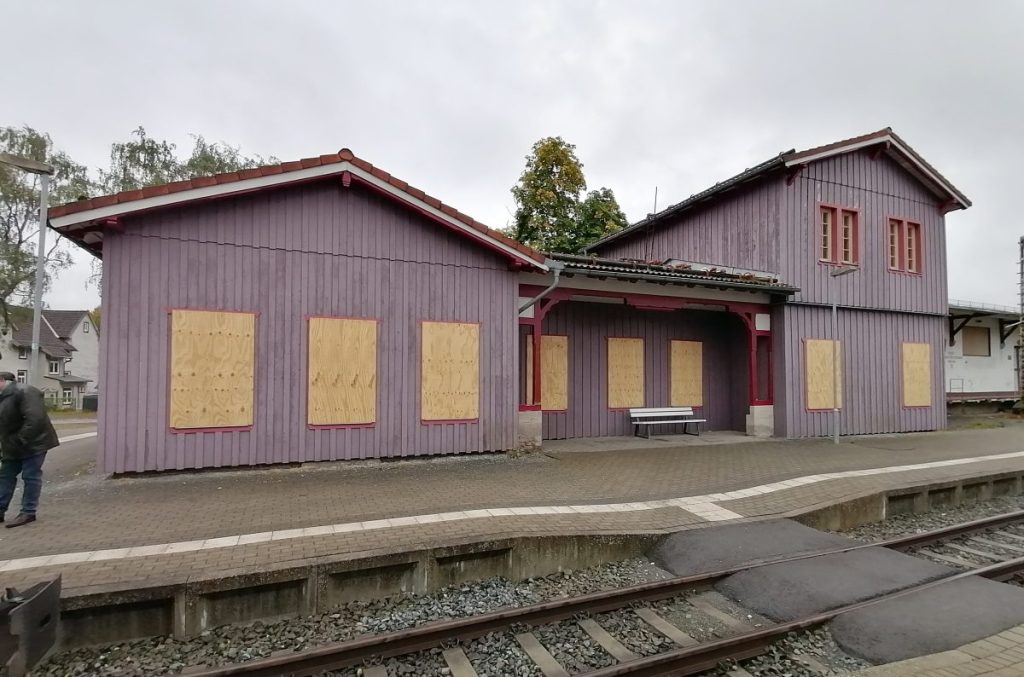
[[550, 214], [19, 214], [143, 161], [96, 315]]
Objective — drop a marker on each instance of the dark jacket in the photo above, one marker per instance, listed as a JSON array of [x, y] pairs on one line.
[[25, 428]]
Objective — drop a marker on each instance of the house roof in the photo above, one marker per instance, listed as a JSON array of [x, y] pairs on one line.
[[83, 221], [64, 322], [960, 307], [674, 272], [891, 143], [56, 326], [71, 378]]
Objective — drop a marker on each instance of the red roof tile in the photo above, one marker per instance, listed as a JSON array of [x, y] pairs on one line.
[[127, 197]]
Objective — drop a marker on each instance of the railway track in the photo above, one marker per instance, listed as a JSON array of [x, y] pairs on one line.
[[992, 548]]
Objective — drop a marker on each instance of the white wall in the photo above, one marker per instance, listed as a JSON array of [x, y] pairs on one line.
[[85, 361], [9, 362], [982, 374]]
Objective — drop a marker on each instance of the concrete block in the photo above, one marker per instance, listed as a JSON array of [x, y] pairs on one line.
[[761, 421], [529, 433]]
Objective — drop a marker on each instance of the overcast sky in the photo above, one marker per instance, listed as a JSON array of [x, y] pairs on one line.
[[451, 95]]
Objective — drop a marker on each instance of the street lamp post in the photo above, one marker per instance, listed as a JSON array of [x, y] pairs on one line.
[[44, 171], [836, 272]]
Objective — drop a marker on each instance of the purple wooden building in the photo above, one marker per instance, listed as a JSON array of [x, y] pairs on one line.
[[324, 309]]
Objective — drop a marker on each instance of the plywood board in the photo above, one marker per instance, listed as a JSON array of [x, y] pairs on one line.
[[917, 375], [554, 373], [450, 371], [342, 373], [528, 399], [977, 342], [820, 358], [686, 362], [625, 373], [213, 358]]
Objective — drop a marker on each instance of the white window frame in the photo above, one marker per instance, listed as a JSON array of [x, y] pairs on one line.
[[53, 367], [22, 353], [85, 326], [22, 376], [67, 396]]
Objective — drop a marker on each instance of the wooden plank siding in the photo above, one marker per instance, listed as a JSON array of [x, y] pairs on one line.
[[741, 230], [318, 249], [588, 325], [872, 376], [878, 189]]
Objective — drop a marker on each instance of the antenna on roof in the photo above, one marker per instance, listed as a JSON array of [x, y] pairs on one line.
[[655, 200]]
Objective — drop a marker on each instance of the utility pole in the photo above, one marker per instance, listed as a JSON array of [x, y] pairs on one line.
[[44, 171]]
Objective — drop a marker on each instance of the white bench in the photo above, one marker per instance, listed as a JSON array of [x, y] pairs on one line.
[[664, 415]]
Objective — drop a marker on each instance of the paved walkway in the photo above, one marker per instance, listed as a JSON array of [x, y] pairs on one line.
[[1001, 655], [101, 532]]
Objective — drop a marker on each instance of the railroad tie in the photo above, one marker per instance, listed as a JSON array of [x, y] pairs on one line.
[[458, 662], [706, 604], [738, 672], [540, 656], [949, 559], [607, 642], [996, 544], [375, 671], [972, 551], [1012, 536], [651, 617]]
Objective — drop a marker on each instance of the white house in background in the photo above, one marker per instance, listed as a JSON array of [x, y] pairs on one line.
[[982, 359], [69, 352]]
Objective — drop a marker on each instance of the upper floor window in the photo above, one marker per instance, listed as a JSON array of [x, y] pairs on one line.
[[839, 235], [22, 353], [22, 375], [54, 367], [904, 246], [85, 326]]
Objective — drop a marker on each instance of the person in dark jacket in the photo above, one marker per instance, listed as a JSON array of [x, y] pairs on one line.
[[26, 434]]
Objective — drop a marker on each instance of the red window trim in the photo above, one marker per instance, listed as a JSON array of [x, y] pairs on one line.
[[838, 211], [901, 253]]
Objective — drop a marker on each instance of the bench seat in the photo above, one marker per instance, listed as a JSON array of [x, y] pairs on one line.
[[648, 416]]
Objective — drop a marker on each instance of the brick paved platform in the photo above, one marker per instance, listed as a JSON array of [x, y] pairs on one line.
[[100, 532], [1001, 655]]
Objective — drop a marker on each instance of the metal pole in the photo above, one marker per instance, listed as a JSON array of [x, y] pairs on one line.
[[835, 368], [37, 311]]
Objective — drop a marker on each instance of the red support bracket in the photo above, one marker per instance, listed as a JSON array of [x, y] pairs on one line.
[[346, 179]]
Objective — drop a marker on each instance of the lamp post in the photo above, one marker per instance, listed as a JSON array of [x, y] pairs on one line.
[[44, 171], [836, 272]]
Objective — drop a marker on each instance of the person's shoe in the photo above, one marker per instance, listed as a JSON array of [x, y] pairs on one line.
[[20, 520]]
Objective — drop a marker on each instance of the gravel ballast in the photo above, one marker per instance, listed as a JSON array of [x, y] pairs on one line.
[[237, 643]]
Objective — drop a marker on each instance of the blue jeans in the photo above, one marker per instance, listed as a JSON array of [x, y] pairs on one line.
[[31, 471]]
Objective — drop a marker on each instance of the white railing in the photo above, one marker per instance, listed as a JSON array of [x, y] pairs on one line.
[[991, 307]]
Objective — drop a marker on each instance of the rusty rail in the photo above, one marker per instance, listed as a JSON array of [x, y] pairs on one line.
[[358, 651]]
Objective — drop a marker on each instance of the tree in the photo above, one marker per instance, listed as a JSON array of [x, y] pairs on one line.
[[143, 161], [550, 214], [19, 214], [96, 315], [547, 195]]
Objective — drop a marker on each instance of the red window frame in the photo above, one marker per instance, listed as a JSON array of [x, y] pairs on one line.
[[908, 246], [837, 249]]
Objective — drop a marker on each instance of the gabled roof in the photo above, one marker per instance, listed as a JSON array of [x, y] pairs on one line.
[[49, 342], [64, 322], [892, 145], [83, 221]]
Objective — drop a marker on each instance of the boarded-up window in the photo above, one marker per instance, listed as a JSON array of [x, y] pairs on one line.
[[977, 342], [687, 378], [822, 357], [342, 378], [917, 375], [554, 373], [625, 373], [450, 371], [212, 369]]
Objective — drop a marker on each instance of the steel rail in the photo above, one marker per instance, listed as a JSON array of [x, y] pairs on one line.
[[431, 635], [693, 660]]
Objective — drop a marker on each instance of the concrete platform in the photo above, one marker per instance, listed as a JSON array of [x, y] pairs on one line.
[[185, 542], [940, 619]]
